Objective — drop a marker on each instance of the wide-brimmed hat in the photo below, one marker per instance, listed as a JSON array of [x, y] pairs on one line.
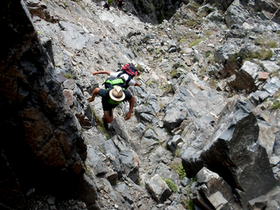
[[117, 94]]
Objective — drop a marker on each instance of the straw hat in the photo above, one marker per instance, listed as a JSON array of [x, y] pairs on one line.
[[117, 94]]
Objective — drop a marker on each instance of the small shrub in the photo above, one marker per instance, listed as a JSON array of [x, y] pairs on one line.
[[100, 124], [68, 75], [276, 105], [174, 73], [181, 171], [213, 82], [191, 23], [171, 185], [193, 6], [196, 42], [190, 205], [271, 44], [208, 53], [139, 68], [208, 33]]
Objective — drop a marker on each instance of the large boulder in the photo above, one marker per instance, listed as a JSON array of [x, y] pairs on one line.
[[158, 188], [245, 162]]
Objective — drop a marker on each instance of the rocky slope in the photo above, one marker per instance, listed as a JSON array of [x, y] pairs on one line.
[[204, 131]]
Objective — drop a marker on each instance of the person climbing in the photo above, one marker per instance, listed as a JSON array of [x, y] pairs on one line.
[[107, 4], [120, 4], [119, 74], [126, 73], [111, 98]]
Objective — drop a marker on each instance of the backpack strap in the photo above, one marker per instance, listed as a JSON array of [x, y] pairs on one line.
[[109, 84]]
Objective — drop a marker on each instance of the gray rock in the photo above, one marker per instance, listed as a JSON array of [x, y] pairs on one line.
[[95, 162], [172, 119], [172, 143], [244, 124], [158, 188], [251, 68], [270, 66], [123, 190], [272, 85], [130, 162], [236, 14], [111, 152]]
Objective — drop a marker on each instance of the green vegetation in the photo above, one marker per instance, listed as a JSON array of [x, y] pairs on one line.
[[276, 105], [171, 185], [174, 73], [191, 23], [266, 43], [196, 42], [68, 75], [213, 82], [190, 205], [139, 68], [110, 1], [208, 33], [193, 6], [100, 124], [208, 53], [181, 171]]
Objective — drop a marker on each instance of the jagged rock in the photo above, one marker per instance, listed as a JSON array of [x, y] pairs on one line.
[[95, 162], [240, 133], [122, 189], [111, 152], [270, 66], [272, 85], [192, 161], [130, 161], [172, 119], [251, 69], [258, 203], [217, 191], [158, 188], [236, 14], [149, 133], [172, 143], [258, 96], [165, 172]]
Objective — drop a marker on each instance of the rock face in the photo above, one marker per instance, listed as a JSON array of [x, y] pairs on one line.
[[41, 137], [205, 127]]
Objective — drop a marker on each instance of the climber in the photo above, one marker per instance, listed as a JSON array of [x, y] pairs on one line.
[[120, 4], [119, 74], [111, 98], [107, 5]]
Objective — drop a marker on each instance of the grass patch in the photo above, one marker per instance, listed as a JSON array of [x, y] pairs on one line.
[[181, 171], [208, 53], [171, 185], [139, 68], [190, 205], [262, 54], [193, 6], [100, 124], [174, 73], [266, 43], [275, 105], [191, 23], [68, 75], [196, 42]]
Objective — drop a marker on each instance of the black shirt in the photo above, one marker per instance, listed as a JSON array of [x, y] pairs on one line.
[[105, 99]]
